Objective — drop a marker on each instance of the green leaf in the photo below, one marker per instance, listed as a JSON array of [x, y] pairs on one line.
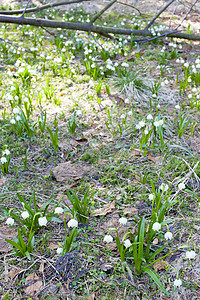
[[141, 232], [55, 219], [21, 241], [16, 245], [156, 280], [157, 252], [16, 217], [28, 255]]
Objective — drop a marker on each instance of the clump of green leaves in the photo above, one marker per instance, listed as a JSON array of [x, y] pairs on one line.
[[81, 207], [33, 213], [71, 125], [5, 161], [54, 137], [129, 79], [182, 124], [21, 247]]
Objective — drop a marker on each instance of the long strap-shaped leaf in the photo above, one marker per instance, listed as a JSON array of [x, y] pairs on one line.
[[156, 280], [141, 232]]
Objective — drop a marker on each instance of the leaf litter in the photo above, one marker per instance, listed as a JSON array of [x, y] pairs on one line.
[[69, 266]]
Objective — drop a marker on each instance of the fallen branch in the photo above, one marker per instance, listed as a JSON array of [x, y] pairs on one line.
[[87, 27], [39, 8]]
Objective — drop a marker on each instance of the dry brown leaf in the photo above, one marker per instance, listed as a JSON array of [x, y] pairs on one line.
[[130, 211], [33, 284], [3, 181], [74, 143], [155, 241], [112, 246], [91, 297], [14, 272], [113, 222], [82, 140], [118, 197], [6, 233], [137, 178], [68, 171], [65, 146], [53, 246], [4, 246], [41, 268], [135, 152], [107, 208], [155, 159], [64, 291], [64, 197], [68, 186], [64, 217], [161, 265]]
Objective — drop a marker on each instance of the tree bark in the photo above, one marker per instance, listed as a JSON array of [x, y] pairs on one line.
[[87, 27]]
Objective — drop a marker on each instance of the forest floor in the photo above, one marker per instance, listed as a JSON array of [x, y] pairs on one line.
[[114, 124]]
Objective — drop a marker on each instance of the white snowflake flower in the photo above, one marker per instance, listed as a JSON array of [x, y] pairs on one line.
[[156, 226], [3, 160], [42, 221], [10, 221], [25, 214], [59, 250], [59, 210], [6, 152], [149, 117], [16, 110], [181, 186], [127, 243], [168, 235], [72, 223], [123, 220], [151, 196], [164, 187], [190, 254], [177, 282], [12, 121], [108, 238]]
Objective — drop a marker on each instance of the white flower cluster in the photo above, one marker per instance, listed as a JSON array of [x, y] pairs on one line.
[[148, 127], [157, 226], [16, 112], [4, 158], [109, 65], [195, 66]]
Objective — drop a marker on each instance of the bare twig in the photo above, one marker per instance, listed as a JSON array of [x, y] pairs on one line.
[[170, 20], [25, 8], [14, 45], [49, 32], [129, 5], [168, 33], [35, 9], [102, 11], [87, 27], [187, 13], [158, 14]]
